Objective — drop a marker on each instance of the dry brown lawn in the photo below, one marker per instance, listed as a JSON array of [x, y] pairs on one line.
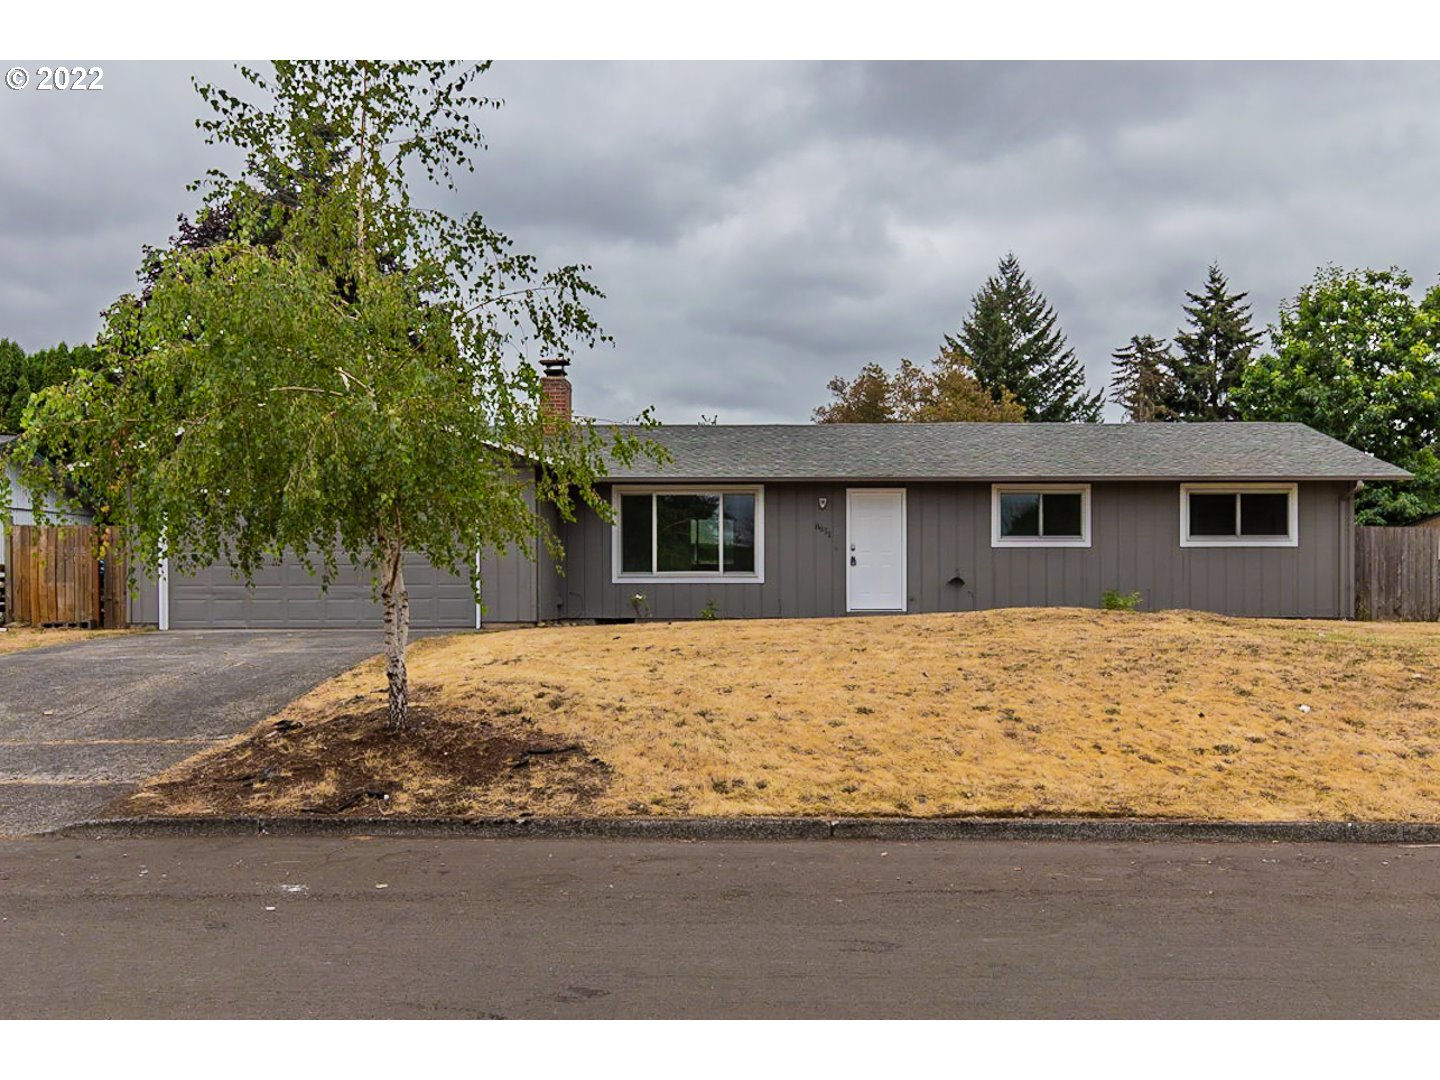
[[15, 638], [1027, 711]]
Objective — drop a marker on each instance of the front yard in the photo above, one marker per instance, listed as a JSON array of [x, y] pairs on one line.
[[1051, 712], [15, 638]]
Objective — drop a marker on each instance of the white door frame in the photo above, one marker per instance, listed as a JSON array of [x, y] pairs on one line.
[[904, 548]]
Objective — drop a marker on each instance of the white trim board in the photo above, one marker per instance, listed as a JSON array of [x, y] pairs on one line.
[[1081, 541], [715, 577], [162, 594], [848, 549], [1290, 489]]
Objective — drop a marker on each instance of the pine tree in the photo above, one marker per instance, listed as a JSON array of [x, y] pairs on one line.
[[1213, 352], [1013, 343], [1142, 384]]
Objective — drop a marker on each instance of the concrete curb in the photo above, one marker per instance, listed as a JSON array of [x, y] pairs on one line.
[[1108, 830]]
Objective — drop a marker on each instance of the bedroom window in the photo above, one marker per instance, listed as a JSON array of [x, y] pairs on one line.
[[1040, 515], [702, 534], [1238, 515]]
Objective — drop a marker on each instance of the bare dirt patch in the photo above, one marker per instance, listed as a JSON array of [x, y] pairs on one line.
[[352, 764], [1047, 712]]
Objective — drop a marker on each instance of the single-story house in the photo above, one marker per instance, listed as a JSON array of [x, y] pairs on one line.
[[777, 520], [21, 505]]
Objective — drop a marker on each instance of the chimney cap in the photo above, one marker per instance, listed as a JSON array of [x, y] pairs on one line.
[[555, 366]]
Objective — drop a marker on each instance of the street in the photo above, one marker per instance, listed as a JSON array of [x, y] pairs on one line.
[[317, 927]]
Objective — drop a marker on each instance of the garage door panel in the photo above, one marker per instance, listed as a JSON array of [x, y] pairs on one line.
[[288, 596]]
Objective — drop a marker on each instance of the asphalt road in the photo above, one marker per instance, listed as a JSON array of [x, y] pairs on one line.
[[309, 927], [82, 723]]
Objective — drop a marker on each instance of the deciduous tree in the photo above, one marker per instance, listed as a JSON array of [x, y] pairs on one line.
[[944, 391], [336, 372], [865, 399], [1355, 356]]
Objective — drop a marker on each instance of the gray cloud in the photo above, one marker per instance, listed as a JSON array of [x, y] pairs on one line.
[[760, 228]]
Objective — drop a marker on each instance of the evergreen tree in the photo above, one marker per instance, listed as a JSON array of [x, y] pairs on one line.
[[23, 374], [1013, 344], [1143, 384], [1213, 352]]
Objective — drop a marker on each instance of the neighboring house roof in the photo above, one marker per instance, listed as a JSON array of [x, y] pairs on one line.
[[982, 451]]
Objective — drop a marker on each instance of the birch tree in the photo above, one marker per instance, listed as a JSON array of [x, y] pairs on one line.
[[337, 370]]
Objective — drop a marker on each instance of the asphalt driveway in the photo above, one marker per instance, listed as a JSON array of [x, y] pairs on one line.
[[82, 723]]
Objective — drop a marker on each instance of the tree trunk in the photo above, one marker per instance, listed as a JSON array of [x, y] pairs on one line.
[[397, 635]]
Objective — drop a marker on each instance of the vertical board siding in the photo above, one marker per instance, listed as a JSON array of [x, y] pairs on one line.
[[52, 576], [509, 579], [508, 584], [1397, 573], [287, 594], [1135, 547]]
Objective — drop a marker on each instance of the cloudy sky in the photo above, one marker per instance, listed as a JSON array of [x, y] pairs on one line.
[[759, 228]]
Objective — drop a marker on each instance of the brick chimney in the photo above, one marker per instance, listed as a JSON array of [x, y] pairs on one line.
[[555, 388]]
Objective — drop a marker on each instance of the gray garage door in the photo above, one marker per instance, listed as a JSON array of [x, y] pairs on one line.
[[287, 596]]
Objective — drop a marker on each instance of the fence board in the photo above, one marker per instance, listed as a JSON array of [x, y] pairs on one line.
[[1397, 574], [52, 577]]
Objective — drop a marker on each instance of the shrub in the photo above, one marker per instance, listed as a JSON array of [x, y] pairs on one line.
[[1115, 600], [710, 611]]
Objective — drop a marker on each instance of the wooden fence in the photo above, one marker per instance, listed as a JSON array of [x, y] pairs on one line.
[[1397, 574], [62, 575]]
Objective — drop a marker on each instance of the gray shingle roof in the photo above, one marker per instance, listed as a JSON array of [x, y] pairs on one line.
[[1234, 451]]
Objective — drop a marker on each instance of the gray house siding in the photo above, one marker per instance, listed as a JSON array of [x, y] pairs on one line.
[[508, 587], [287, 596], [510, 580], [1135, 546], [145, 600], [552, 584]]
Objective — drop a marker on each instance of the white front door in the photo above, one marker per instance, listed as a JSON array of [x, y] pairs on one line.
[[875, 549]]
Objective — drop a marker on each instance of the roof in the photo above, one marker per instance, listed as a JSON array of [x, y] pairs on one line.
[[981, 451]]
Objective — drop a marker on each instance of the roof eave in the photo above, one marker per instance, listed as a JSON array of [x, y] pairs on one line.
[[1178, 478]]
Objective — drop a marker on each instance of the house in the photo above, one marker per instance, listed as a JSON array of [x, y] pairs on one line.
[[21, 506], [774, 520]]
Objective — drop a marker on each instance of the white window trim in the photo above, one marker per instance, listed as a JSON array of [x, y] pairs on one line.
[[686, 577], [1081, 541], [1292, 490]]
